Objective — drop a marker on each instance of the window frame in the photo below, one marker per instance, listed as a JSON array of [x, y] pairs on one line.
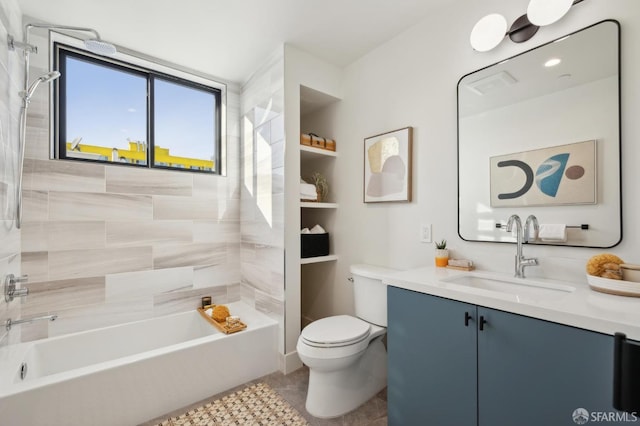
[[63, 46]]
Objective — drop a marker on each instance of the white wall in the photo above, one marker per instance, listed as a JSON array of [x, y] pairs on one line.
[[411, 81]]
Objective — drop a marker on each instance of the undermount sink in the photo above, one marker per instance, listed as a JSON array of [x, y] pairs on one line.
[[514, 287]]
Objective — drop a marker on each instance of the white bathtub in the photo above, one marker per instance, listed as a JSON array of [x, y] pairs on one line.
[[131, 373]]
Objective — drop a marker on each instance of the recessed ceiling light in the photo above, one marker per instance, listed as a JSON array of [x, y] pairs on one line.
[[552, 62]]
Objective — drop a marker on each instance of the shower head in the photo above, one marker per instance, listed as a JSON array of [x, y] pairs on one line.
[[46, 78], [99, 47], [95, 45]]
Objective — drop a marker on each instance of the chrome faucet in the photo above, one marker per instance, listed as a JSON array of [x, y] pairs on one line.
[[9, 323], [10, 290], [531, 220], [521, 261]]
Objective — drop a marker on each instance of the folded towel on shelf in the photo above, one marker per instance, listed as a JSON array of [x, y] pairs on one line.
[[318, 230], [305, 231], [308, 191], [553, 232]]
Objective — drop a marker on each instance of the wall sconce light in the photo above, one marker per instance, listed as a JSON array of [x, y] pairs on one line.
[[492, 29]]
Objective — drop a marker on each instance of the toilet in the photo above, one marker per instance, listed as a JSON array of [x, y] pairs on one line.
[[346, 357]]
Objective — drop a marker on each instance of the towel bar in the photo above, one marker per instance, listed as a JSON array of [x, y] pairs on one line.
[[584, 226]]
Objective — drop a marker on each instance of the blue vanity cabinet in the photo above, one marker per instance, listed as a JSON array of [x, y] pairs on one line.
[[533, 372], [498, 369], [432, 374]]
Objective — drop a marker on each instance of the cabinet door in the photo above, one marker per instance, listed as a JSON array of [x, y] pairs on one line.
[[533, 372], [432, 360]]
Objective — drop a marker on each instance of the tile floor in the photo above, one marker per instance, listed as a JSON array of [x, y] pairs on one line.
[[293, 388]]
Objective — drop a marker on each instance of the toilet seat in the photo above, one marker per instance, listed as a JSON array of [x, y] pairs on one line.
[[336, 331]]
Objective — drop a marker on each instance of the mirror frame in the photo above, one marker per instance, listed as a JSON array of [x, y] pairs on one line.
[[619, 123]]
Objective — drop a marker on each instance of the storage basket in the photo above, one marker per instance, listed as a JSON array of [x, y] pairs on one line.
[[313, 245]]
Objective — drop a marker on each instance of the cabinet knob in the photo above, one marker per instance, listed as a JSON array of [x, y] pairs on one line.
[[482, 322], [467, 317]]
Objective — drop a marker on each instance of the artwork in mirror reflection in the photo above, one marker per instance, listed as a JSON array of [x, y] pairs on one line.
[[558, 175], [556, 132]]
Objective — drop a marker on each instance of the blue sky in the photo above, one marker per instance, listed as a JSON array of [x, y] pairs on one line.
[[106, 106]]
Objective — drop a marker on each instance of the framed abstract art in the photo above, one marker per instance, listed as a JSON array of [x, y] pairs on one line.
[[387, 166]]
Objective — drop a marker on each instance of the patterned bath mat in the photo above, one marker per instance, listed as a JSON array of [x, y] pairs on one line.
[[254, 405]]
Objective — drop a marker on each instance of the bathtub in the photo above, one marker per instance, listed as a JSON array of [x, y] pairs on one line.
[[134, 372]]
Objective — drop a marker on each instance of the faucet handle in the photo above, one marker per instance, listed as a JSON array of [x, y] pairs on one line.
[[10, 290], [20, 279]]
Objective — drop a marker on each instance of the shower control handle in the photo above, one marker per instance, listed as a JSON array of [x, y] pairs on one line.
[[10, 290]]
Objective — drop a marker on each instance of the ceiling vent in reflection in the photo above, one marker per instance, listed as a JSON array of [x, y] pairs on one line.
[[491, 83]]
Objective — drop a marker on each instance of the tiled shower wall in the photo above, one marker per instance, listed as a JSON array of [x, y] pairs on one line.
[[262, 189], [11, 70], [107, 244]]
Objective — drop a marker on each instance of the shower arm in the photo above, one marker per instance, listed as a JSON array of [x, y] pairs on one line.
[[27, 27], [29, 48]]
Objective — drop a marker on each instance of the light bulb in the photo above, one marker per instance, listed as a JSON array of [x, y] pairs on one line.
[[546, 12], [488, 32]]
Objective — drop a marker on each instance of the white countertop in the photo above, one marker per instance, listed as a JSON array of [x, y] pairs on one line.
[[582, 308]]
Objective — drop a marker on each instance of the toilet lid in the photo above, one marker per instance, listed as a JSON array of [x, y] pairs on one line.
[[336, 330]]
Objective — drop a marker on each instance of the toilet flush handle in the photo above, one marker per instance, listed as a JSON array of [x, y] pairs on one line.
[[350, 279]]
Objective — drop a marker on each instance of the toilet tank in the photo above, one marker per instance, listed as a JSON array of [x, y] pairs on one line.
[[369, 294]]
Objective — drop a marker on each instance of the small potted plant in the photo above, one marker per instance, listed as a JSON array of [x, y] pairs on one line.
[[442, 253], [322, 187]]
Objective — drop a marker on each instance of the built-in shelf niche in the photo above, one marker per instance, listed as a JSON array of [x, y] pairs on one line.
[[319, 271]]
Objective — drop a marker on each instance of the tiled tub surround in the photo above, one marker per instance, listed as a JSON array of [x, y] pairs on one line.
[[129, 373], [262, 191], [166, 250], [11, 70], [107, 244]]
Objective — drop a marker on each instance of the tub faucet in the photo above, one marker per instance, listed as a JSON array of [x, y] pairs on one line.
[[9, 323], [521, 261]]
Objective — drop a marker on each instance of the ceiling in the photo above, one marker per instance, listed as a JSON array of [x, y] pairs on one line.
[[230, 39]]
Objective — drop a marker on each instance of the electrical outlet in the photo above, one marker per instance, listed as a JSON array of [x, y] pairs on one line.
[[425, 233]]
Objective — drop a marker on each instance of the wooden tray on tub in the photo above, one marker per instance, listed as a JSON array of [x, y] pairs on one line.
[[222, 326]]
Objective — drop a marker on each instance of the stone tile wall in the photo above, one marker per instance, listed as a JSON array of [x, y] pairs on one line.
[[262, 191], [11, 70]]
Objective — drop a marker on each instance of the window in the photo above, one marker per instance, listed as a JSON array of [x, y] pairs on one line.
[[112, 111]]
